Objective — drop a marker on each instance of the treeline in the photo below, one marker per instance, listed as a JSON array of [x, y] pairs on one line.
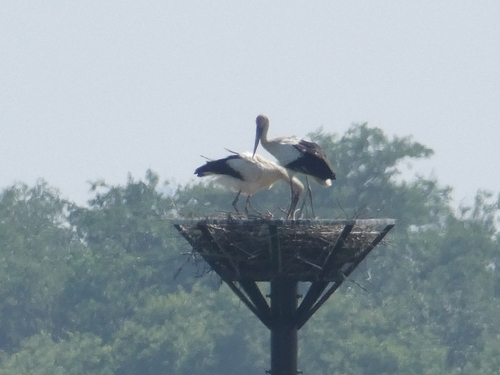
[[111, 287]]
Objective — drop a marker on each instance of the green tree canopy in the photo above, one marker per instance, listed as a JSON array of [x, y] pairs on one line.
[[111, 287]]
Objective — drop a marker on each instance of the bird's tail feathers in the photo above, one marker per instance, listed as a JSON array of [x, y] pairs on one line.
[[203, 170], [231, 151], [218, 167], [327, 182]]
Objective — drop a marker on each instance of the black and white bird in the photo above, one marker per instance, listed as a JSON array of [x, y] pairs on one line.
[[246, 173], [295, 154]]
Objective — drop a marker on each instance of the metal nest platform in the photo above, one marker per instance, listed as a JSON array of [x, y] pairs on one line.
[[299, 250], [283, 253]]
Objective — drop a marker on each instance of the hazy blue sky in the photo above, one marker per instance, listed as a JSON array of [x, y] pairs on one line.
[[97, 89]]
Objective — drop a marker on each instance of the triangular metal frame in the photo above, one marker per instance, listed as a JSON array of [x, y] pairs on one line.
[[283, 316]]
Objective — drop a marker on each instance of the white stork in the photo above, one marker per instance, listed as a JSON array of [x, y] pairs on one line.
[[296, 155], [247, 174]]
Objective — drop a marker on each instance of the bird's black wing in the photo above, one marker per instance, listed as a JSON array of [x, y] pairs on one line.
[[306, 147], [219, 167], [313, 161]]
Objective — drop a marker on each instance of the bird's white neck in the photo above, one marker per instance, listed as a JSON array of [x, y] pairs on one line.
[[263, 136]]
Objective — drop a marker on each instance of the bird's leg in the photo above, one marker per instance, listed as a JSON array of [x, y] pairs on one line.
[[236, 201], [249, 204], [307, 197], [302, 207], [293, 205], [309, 191], [291, 214]]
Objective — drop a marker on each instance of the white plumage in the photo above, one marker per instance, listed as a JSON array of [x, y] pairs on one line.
[[246, 174], [295, 154]]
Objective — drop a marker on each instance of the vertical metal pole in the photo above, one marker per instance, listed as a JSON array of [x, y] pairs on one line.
[[284, 346], [284, 343]]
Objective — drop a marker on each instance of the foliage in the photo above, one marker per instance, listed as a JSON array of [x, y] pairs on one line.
[[104, 288], [78, 354], [35, 240]]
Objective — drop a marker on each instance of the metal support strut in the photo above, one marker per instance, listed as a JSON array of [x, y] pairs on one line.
[[284, 341], [284, 344], [242, 266]]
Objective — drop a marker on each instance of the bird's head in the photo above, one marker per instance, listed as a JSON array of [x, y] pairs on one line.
[[262, 126]]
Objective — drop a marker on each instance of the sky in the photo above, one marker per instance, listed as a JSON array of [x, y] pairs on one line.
[[99, 89]]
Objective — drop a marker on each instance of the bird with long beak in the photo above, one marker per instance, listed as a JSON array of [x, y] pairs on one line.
[[296, 155], [246, 173]]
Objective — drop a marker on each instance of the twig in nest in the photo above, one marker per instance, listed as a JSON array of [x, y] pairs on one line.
[[355, 282], [176, 208], [342, 208]]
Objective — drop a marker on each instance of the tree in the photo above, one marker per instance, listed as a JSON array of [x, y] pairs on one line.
[[96, 289], [78, 354], [128, 247], [35, 244], [181, 333]]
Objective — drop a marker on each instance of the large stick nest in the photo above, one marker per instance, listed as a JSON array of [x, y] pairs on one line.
[[306, 250]]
